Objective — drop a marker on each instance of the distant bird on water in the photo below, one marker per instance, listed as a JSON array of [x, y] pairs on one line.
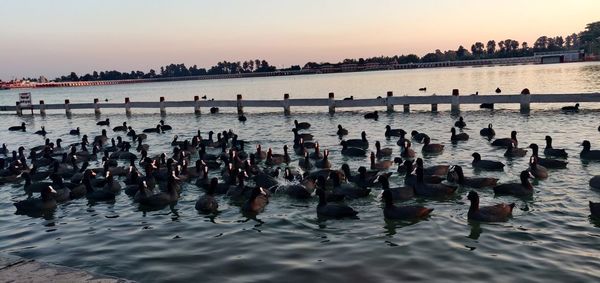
[[349, 98], [498, 90], [423, 89], [571, 109]]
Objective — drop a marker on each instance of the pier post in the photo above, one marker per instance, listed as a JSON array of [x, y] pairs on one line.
[[127, 107], [434, 108], [196, 105], [240, 108], [19, 110], [286, 104], [455, 108], [96, 107], [42, 108], [68, 108], [163, 110], [331, 103], [406, 108], [525, 100], [388, 102]]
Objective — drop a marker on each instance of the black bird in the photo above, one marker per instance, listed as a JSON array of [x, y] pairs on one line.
[[349, 98], [74, 132], [458, 137], [214, 110], [478, 163], [487, 106], [104, 123], [242, 118], [488, 132], [404, 212], [41, 132], [524, 188], [571, 109], [18, 128], [389, 132], [341, 131], [587, 153], [330, 210], [423, 89], [122, 128], [165, 127], [555, 152], [301, 125], [498, 90], [373, 115], [505, 142], [497, 213], [460, 123]]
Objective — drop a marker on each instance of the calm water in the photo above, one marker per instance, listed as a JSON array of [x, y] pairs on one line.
[[550, 238]]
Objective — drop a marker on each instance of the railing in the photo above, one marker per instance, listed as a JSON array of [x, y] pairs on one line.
[[524, 99]]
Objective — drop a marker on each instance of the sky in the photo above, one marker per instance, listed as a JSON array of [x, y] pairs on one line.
[[52, 38]]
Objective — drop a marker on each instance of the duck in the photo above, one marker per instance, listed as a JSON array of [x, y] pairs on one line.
[[95, 194], [436, 170], [360, 143], [496, 213], [432, 190], [301, 125], [595, 209], [324, 163], [404, 212], [305, 163], [164, 127], [382, 152], [381, 165], [512, 151], [349, 191], [41, 132], [397, 193], [483, 164], [156, 129], [104, 123], [21, 128], [276, 159], [242, 118], [587, 153], [304, 136], [316, 154], [46, 202], [389, 132], [352, 151], [431, 148], [546, 162], [456, 175], [418, 137], [488, 131], [331, 210], [505, 142], [571, 109], [536, 170], [408, 152], [554, 152], [240, 189], [363, 179], [33, 187], [458, 137], [341, 131], [521, 189], [163, 199], [460, 123], [257, 202], [373, 115], [122, 128], [207, 202]]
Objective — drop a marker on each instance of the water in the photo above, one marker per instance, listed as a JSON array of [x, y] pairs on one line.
[[550, 238]]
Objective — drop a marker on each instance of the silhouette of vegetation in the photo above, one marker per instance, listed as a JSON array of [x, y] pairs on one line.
[[588, 40]]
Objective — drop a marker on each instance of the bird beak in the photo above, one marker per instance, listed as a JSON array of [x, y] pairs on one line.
[[262, 191], [52, 190]]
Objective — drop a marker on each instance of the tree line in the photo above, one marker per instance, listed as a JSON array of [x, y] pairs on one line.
[[588, 40]]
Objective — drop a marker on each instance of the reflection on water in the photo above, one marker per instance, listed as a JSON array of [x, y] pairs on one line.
[[287, 242]]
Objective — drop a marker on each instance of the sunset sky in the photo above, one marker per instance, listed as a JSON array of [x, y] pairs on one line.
[[52, 38]]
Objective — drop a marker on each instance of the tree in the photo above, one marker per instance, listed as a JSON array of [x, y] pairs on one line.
[[491, 47], [461, 52], [73, 77], [559, 42]]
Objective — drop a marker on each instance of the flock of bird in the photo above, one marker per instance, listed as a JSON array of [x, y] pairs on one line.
[[62, 173]]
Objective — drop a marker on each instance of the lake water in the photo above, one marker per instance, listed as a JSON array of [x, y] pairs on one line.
[[551, 237]]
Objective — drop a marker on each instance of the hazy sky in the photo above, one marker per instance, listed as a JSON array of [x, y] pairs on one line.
[[56, 37]]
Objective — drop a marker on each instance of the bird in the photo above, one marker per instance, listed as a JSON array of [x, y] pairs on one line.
[[122, 128], [546, 162], [396, 193], [341, 131], [423, 89], [460, 123], [381, 165], [351, 97], [242, 118], [571, 109], [512, 151], [361, 143], [431, 148], [74, 132], [164, 126], [352, 151], [257, 201], [486, 106], [21, 128], [404, 212], [41, 132], [424, 189], [458, 137], [214, 110], [587, 153], [331, 210], [389, 132], [104, 123], [595, 209], [382, 152], [301, 125], [521, 189], [491, 165], [373, 115], [488, 131], [417, 136], [46, 202], [156, 129], [505, 142], [324, 163], [554, 152], [496, 213], [498, 90], [455, 174], [536, 170]]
